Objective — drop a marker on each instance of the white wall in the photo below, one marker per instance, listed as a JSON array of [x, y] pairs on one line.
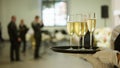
[[0, 9], [27, 9], [116, 11]]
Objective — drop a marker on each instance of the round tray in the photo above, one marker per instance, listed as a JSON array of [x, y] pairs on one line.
[[74, 50]]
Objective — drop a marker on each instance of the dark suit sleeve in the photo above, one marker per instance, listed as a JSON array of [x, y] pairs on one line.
[[13, 32], [34, 27], [37, 26], [41, 25], [26, 29]]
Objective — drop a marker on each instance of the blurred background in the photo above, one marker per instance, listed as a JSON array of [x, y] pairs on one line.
[[54, 16]]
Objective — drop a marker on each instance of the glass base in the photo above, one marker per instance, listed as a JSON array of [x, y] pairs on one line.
[[82, 48]]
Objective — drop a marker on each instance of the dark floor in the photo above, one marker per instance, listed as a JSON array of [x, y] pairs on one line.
[[49, 59]]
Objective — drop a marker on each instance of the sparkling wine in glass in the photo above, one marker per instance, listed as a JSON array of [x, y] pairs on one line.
[[77, 30], [83, 32], [91, 27], [70, 29]]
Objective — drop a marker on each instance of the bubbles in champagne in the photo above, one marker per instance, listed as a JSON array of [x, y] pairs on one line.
[[84, 28], [91, 24], [70, 28], [77, 28]]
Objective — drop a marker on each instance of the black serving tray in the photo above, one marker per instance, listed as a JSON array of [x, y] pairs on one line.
[[74, 50]]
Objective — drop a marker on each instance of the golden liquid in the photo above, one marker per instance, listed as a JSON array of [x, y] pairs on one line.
[[84, 28], [91, 24], [77, 28], [70, 28]]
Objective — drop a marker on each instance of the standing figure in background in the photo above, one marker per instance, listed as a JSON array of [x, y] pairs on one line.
[[23, 30], [1, 39], [14, 40], [37, 24]]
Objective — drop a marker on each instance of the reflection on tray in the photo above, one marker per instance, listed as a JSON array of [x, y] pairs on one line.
[[80, 49], [74, 49]]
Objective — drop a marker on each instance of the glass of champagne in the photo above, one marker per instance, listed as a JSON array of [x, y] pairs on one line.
[[83, 31], [70, 28], [77, 28], [91, 22]]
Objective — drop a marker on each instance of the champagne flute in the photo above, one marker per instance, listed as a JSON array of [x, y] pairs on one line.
[[83, 31], [77, 28], [70, 29], [91, 27]]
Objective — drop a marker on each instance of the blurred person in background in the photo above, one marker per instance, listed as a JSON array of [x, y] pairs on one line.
[[1, 39], [14, 40], [37, 24], [22, 31]]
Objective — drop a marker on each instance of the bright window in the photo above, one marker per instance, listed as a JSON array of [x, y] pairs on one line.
[[54, 13]]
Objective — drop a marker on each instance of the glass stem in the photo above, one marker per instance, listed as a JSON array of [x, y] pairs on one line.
[[91, 40], [82, 41], [70, 41], [79, 42]]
